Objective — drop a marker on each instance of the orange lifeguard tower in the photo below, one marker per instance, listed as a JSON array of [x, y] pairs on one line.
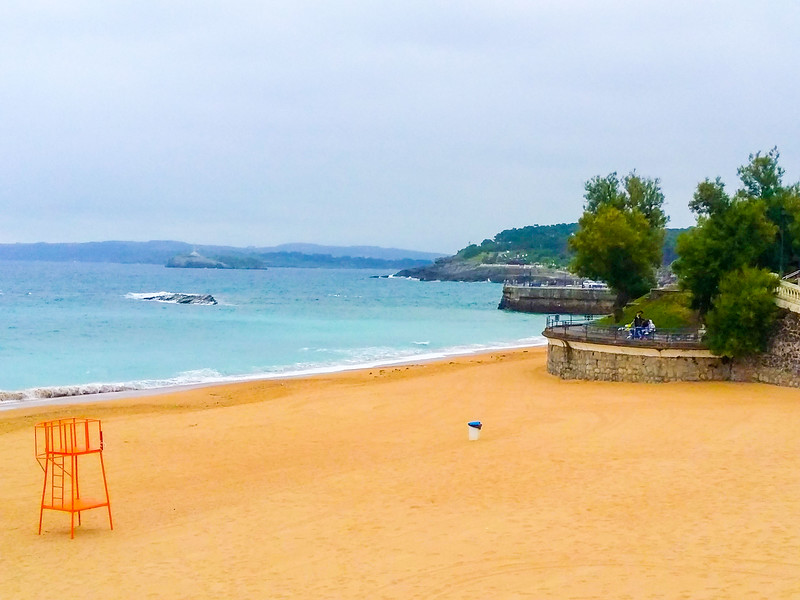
[[60, 444]]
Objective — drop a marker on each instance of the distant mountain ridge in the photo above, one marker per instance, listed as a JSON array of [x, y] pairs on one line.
[[160, 251]]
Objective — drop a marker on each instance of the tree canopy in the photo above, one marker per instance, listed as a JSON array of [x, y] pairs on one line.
[[726, 261], [740, 321], [533, 243], [621, 234], [733, 236], [759, 226]]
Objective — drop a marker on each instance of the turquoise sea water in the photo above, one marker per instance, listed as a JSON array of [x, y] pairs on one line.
[[77, 328]]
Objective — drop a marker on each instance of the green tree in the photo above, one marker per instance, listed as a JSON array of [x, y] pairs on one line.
[[758, 226], [762, 179], [621, 234], [710, 198], [727, 259], [731, 235], [631, 193], [470, 251], [645, 196], [740, 321]]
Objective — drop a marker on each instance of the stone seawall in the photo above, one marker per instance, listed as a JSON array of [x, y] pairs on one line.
[[571, 359], [779, 365], [557, 300]]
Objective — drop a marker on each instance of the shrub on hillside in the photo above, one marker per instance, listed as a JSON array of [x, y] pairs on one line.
[[743, 313]]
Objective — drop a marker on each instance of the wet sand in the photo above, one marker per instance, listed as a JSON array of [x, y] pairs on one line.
[[364, 485]]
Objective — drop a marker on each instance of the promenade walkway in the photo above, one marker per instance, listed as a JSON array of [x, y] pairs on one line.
[[587, 331], [787, 296]]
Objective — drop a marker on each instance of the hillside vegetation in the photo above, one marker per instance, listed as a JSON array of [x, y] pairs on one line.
[[668, 310], [540, 244], [545, 244]]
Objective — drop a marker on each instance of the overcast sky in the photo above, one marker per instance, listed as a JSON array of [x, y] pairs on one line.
[[417, 124]]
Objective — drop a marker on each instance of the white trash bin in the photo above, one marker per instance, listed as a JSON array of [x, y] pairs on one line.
[[474, 428]]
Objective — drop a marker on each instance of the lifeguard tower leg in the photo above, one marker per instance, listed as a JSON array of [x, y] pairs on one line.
[[44, 491], [105, 485], [76, 483]]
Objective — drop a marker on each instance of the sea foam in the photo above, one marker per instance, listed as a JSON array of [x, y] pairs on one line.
[[355, 359]]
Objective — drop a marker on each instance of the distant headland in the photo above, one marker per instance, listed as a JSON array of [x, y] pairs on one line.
[[536, 254], [183, 254]]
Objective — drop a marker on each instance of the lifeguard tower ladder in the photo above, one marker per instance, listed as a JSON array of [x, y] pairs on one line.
[[60, 446]]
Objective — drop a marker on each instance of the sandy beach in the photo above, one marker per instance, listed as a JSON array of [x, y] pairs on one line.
[[365, 485]]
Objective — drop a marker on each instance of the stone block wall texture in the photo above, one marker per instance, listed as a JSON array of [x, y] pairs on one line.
[[570, 363], [779, 365], [557, 300]]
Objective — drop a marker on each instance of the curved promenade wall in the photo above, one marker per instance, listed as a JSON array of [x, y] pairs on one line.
[[640, 362], [572, 359]]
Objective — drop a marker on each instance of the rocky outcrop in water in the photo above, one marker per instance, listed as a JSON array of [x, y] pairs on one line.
[[177, 298]]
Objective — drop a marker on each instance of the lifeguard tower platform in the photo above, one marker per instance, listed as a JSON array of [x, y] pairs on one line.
[[63, 447]]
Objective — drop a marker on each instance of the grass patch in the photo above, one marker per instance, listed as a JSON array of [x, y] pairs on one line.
[[669, 310]]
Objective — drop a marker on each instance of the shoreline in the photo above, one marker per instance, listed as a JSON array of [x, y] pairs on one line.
[[30, 396]]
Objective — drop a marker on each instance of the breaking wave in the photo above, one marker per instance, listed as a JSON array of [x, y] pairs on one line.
[[349, 359]]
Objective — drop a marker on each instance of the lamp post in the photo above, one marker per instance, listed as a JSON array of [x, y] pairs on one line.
[[783, 225]]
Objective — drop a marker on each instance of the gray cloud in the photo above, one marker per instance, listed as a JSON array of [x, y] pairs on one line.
[[420, 125]]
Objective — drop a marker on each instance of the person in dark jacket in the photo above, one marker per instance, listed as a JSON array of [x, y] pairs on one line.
[[639, 323]]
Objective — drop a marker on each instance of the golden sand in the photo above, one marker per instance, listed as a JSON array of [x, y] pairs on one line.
[[364, 485]]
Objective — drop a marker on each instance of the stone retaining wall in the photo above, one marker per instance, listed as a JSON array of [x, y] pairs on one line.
[[600, 362], [557, 300], [779, 365]]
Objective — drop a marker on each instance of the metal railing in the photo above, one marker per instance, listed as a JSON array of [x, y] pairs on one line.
[[587, 330], [570, 320], [544, 281]]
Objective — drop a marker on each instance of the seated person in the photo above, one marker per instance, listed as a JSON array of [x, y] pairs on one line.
[[649, 328]]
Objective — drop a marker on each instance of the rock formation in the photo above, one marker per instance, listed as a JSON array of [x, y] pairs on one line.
[[177, 298], [453, 269]]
